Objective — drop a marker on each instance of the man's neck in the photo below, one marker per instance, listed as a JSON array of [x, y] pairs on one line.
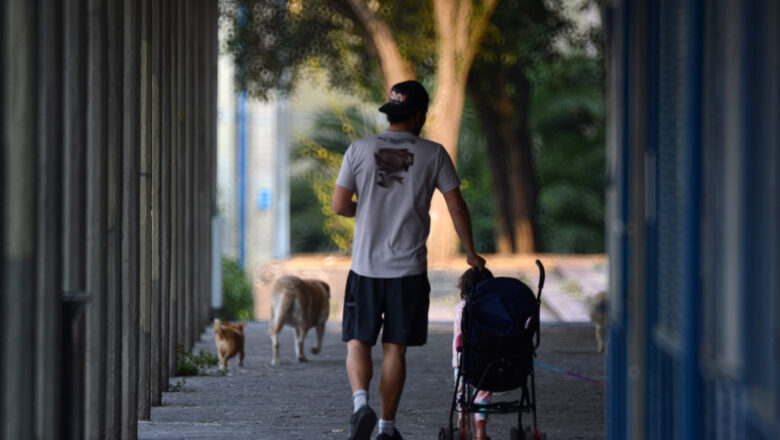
[[402, 126]]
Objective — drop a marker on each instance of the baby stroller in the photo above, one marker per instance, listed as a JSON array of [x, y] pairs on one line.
[[500, 334]]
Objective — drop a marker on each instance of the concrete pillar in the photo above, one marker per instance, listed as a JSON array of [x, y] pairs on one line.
[[154, 200], [73, 191], [145, 268], [130, 218], [165, 193], [49, 228], [204, 166], [4, 340], [281, 223], [195, 145], [181, 163], [95, 366], [212, 61], [189, 286], [175, 164], [18, 228], [113, 389]]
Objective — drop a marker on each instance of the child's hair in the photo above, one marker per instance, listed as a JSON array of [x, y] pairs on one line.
[[466, 283]]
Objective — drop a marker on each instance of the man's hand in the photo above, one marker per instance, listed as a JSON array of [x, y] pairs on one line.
[[476, 261]]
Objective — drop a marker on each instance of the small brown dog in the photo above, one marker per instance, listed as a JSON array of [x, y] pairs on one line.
[[230, 341], [301, 304]]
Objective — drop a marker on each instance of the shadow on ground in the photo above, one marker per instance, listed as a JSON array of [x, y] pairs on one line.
[[312, 400]]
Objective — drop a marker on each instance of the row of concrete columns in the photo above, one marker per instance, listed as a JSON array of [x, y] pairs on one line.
[[108, 131]]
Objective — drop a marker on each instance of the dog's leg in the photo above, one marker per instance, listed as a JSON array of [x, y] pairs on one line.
[[241, 358], [600, 337], [222, 360], [320, 332], [275, 326], [300, 335], [275, 349]]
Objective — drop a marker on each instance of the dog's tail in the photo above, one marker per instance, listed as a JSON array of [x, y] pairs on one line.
[[218, 327], [278, 311]]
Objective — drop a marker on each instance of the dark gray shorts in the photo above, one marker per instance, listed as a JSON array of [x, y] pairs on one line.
[[397, 305]]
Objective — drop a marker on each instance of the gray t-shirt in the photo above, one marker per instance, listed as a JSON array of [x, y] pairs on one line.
[[394, 174]]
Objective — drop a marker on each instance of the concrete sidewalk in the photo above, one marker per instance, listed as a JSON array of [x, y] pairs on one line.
[[312, 400]]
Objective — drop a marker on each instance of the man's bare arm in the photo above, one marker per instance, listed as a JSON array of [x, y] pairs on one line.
[[342, 202], [462, 221]]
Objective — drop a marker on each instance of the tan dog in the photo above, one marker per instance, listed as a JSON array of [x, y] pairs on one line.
[[598, 315], [230, 341], [301, 304]]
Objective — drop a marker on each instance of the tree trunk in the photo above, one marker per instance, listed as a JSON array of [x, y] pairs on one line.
[[502, 210], [505, 122], [523, 179], [459, 30], [394, 67], [443, 127], [458, 36]]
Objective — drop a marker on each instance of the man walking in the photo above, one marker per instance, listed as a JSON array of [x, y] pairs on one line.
[[393, 175]]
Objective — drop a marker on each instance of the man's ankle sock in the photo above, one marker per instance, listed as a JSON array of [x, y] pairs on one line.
[[359, 399], [386, 426]]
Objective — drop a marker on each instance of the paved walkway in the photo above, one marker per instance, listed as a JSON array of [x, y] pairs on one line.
[[312, 400]]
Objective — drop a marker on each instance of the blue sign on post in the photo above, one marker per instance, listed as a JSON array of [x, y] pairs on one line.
[[264, 199]]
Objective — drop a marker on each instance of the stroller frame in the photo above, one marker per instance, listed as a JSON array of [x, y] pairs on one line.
[[467, 403]]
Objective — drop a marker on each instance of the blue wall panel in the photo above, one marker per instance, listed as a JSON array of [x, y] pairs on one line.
[[711, 351]]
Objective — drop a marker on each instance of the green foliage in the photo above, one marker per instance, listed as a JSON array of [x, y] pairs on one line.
[[237, 300], [276, 42], [281, 41], [189, 364], [568, 121], [177, 386], [315, 168]]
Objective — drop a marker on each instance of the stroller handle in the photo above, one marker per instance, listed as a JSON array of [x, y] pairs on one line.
[[539, 302], [541, 280]]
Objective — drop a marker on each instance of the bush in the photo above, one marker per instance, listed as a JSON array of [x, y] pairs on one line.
[[188, 364], [237, 300]]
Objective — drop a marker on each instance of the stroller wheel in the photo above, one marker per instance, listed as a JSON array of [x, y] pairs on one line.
[[445, 434]]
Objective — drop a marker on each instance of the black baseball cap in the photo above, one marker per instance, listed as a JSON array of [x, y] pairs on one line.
[[406, 98]]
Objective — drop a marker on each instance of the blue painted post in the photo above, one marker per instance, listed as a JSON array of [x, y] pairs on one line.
[[652, 413], [692, 105], [242, 135], [616, 356]]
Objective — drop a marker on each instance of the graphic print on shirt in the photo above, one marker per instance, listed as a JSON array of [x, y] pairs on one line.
[[391, 163]]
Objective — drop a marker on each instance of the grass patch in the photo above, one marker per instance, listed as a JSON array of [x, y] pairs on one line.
[[190, 364], [177, 386]]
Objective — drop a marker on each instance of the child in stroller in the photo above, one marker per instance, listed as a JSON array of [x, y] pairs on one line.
[[500, 333], [466, 284]]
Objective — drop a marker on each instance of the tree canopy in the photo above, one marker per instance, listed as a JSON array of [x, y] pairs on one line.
[[502, 53]]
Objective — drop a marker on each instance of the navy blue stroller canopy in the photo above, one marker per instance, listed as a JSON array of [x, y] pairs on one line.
[[499, 321]]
